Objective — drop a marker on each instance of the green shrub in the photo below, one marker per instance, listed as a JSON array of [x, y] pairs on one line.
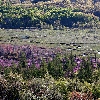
[[55, 67]]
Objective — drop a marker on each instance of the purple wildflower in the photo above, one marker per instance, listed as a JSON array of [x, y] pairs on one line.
[[37, 65]]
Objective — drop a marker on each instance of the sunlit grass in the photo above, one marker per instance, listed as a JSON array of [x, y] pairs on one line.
[[88, 39]]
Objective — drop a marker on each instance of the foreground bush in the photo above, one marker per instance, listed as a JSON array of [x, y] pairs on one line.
[[14, 87]]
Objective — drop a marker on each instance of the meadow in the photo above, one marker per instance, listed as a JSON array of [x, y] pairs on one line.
[[75, 39]]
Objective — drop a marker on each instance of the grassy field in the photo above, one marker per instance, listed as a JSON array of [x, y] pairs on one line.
[[77, 40]]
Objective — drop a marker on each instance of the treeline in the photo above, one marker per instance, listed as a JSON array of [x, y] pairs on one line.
[[43, 17]]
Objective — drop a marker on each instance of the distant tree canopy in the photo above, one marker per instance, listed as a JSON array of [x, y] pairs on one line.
[[35, 1], [18, 16]]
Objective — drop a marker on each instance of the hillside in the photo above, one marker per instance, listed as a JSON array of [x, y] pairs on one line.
[[68, 1], [83, 4], [47, 14]]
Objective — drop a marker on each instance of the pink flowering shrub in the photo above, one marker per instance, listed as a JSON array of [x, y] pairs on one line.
[[29, 63]]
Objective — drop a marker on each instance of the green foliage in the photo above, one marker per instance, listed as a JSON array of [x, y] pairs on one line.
[[62, 87], [48, 82], [34, 72], [96, 91], [8, 87], [55, 68], [44, 88], [17, 16], [22, 59], [86, 71]]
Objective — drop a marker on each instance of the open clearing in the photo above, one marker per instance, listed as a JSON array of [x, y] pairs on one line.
[[80, 41]]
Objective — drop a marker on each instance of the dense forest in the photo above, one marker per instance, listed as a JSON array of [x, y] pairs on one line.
[[56, 15]]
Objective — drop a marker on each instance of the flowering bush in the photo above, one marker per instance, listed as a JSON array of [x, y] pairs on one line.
[[30, 72]]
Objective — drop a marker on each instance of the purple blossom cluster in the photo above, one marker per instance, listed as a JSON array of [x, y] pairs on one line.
[[7, 63], [94, 62], [29, 55], [11, 54], [78, 62]]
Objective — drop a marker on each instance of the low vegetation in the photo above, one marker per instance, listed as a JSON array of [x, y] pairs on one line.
[[61, 76]]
